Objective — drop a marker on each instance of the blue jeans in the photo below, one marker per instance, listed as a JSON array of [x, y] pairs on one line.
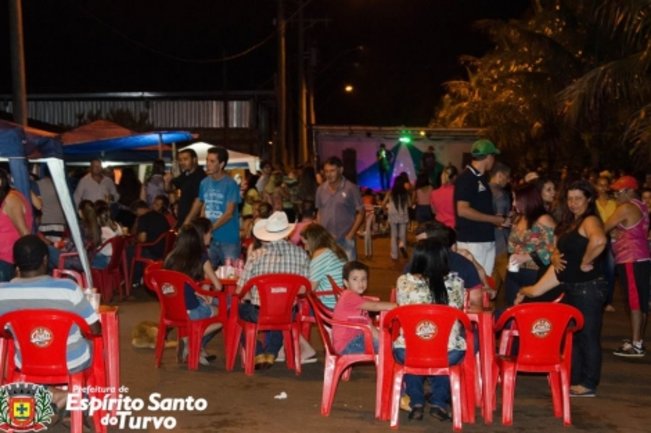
[[439, 385], [203, 311], [349, 247], [356, 345], [517, 280], [218, 252], [273, 340], [7, 271], [589, 298]]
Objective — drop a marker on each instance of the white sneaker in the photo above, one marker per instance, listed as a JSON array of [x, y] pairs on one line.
[[281, 355]]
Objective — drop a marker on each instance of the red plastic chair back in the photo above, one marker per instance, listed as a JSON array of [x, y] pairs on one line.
[[169, 287], [426, 329], [42, 336], [117, 242], [77, 277], [335, 287], [542, 328], [147, 279], [278, 294], [323, 317]]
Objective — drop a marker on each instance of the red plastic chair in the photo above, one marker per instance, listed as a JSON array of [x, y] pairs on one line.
[[43, 358], [306, 317], [113, 275], [545, 330], [77, 277], [337, 366], [278, 294], [426, 329], [169, 286], [168, 237]]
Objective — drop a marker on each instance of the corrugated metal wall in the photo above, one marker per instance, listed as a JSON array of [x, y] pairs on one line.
[[164, 114]]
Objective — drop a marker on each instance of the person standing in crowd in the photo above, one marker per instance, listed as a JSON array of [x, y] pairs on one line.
[[340, 207], [547, 190], [219, 198], [266, 168], [442, 198], [430, 166], [53, 221], [95, 185], [397, 203], [578, 264], [275, 255], [186, 184], [421, 196], [500, 176], [606, 207], [130, 190], [629, 228], [15, 221], [530, 242], [476, 218], [155, 185], [307, 185], [384, 159]]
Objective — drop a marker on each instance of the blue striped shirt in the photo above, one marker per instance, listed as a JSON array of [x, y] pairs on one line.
[[327, 263], [57, 294]]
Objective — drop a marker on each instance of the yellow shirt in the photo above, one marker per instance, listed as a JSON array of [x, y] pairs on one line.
[[607, 209]]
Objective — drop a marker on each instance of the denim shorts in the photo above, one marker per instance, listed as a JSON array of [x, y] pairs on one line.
[[203, 311]]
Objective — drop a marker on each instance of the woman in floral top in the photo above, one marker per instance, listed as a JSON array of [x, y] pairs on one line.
[[429, 280], [531, 241]]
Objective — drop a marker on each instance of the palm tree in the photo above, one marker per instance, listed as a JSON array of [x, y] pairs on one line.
[[568, 81]]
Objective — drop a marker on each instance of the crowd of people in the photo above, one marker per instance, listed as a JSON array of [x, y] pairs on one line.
[[538, 238]]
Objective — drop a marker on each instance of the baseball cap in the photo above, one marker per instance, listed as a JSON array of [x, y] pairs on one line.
[[624, 182], [484, 147]]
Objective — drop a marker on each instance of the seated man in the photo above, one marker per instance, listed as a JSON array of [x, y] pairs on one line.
[[33, 289], [276, 255]]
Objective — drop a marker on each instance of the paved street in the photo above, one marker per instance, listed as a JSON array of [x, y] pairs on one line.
[[237, 403]]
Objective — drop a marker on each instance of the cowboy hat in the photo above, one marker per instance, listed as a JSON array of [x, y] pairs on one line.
[[274, 228]]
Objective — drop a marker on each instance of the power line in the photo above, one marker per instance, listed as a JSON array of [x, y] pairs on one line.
[[187, 59]]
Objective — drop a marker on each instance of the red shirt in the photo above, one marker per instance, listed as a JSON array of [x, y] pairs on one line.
[[442, 202], [348, 309]]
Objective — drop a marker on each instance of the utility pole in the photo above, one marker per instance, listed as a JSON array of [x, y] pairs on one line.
[[303, 150], [281, 142], [19, 86]]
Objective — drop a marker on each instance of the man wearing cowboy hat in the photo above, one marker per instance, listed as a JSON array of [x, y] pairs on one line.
[[629, 225], [276, 255]]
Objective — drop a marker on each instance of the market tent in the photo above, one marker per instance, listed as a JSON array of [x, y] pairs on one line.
[[109, 140], [235, 159], [17, 144]]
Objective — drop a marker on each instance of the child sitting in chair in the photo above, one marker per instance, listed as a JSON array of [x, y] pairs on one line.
[[353, 307]]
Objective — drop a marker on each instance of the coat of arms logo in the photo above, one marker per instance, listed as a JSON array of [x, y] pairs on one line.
[[24, 407]]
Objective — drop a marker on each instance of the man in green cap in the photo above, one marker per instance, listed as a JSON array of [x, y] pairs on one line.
[[473, 200]]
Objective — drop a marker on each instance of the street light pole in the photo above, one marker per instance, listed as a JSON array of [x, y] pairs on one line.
[[18, 62], [282, 86]]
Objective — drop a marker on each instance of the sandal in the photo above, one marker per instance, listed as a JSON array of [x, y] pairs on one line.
[[416, 413]]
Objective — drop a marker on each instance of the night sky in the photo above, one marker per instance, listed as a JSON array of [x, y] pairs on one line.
[[410, 47]]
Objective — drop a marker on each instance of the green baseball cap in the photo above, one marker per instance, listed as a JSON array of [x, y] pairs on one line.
[[484, 147]]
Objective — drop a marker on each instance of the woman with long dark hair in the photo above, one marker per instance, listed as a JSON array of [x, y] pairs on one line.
[[428, 281], [578, 264], [531, 241], [397, 203], [189, 256]]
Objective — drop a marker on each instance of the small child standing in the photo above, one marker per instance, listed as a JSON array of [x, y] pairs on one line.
[[353, 307]]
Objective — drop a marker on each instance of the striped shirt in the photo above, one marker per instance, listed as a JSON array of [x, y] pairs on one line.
[[51, 293], [280, 257], [327, 263]]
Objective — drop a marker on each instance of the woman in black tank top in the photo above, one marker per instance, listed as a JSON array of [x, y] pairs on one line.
[[577, 264]]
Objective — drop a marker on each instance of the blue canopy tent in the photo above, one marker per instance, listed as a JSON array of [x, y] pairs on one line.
[[110, 141], [17, 144]]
